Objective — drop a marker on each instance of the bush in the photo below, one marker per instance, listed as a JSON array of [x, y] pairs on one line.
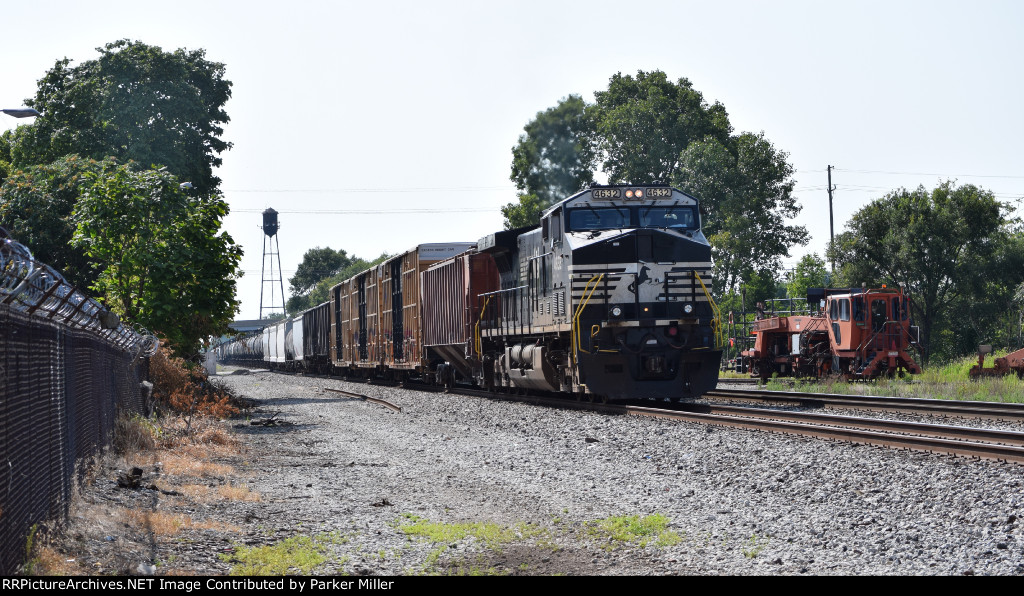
[[184, 388]]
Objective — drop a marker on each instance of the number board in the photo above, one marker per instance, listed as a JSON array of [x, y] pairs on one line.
[[606, 193], [659, 193]]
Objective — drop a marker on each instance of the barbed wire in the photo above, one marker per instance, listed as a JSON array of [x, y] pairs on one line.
[[35, 288]]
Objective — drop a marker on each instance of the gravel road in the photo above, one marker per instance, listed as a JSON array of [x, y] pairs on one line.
[[736, 502]]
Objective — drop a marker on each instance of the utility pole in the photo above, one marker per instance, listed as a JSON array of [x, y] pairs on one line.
[[831, 221]]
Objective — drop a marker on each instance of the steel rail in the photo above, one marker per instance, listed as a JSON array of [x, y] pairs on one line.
[[987, 435], [1005, 453], [365, 398], [966, 409], [939, 442]]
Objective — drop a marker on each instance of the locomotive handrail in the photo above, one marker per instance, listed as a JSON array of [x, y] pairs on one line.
[[716, 322], [588, 291], [479, 341]]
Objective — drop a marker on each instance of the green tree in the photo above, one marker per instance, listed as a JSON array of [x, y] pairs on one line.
[[317, 264], [810, 272], [135, 102], [554, 158], [645, 123], [320, 291], [526, 212], [746, 188], [164, 263], [648, 128], [36, 205], [950, 248]]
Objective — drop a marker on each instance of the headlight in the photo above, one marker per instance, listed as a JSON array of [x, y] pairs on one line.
[[688, 309], [616, 312]]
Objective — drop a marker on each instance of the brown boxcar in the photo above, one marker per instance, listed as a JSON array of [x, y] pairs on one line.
[[376, 318], [453, 308]]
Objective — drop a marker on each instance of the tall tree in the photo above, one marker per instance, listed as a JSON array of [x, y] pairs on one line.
[[554, 158], [810, 272], [945, 246], [648, 128], [36, 205], [165, 264], [135, 102], [317, 264], [746, 188], [645, 123]]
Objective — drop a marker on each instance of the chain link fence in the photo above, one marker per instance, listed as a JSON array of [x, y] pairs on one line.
[[67, 367]]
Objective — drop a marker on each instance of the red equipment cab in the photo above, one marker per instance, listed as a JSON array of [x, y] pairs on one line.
[[858, 334]]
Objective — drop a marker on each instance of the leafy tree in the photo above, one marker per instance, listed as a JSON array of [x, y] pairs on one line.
[[164, 262], [320, 292], [317, 264], [554, 158], [810, 272], [36, 206], [526, 212], [746, 187], [648, 128], [950, 248], [645, 123], [135, 102]]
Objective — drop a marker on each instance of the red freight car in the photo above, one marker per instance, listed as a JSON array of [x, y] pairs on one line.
[[454, 302]]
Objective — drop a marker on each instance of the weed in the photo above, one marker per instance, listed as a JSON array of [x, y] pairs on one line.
[[633, 529], [240, 492], [295, 555], [133, 433], [754, 546], [30, 560]]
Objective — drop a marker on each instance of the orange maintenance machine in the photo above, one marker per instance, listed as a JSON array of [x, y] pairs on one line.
[[856, 334]]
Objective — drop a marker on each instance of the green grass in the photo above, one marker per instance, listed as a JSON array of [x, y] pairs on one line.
[[610, 533], [489, 534], [633, 529], [298, 555], [946, 381]]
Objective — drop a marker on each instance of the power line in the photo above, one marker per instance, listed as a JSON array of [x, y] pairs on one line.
[[444, 211], [927, 174], [370, 190]]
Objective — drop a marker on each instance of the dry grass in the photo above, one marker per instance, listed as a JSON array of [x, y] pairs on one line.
[[166, 524], [191, 464], [239, 492], [173, 451], [48, 561], [132, 435], [157, 522]]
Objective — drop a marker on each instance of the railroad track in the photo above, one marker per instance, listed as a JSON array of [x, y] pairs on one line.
[[934, 407], [1007, 446], [998, 445]]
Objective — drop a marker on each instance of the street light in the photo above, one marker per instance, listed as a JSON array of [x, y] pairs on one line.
[[21, 112]]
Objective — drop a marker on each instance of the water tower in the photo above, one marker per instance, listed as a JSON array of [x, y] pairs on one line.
[[271, 249]]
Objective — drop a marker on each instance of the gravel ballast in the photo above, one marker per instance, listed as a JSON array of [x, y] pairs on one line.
[[739, 502]]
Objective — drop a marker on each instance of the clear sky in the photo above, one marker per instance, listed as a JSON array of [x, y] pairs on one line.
[[375, 126]]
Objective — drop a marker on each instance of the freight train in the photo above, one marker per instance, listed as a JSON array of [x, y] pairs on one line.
[[607, 298], [855, 334]]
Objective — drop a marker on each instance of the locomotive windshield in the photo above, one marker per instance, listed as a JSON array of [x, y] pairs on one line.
[[611, 218], [667, 217], [604, 218]]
